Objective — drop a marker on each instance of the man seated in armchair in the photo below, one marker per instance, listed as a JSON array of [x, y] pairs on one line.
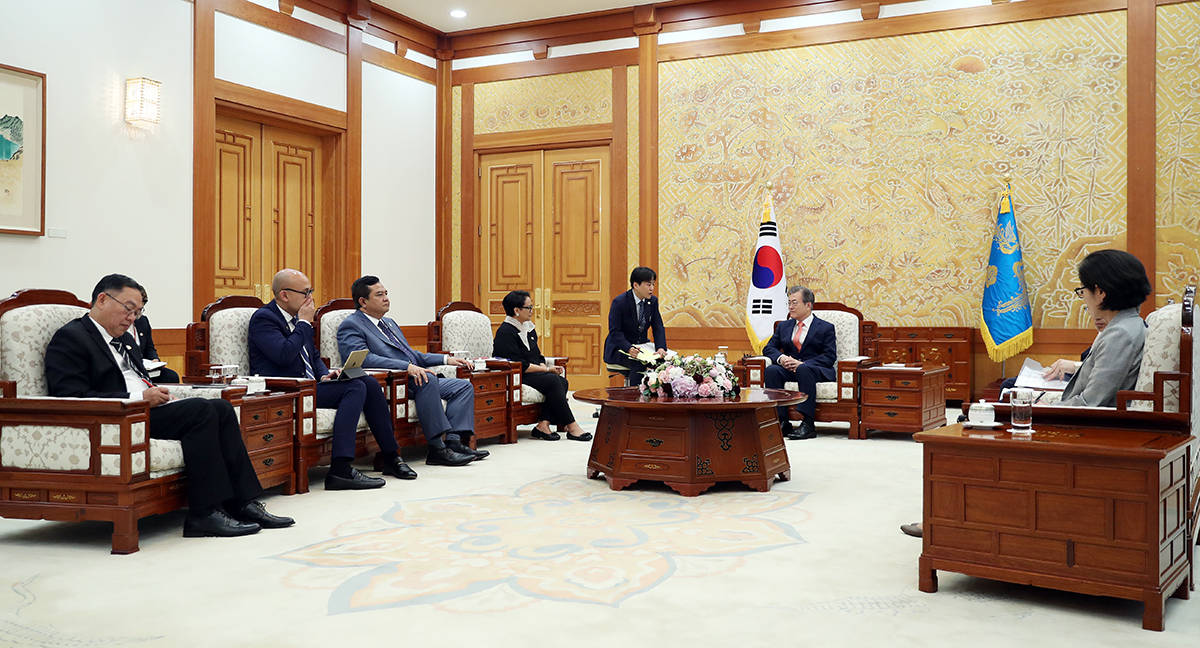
[[446, 429], [281, 344], [803, 349], [95, 357]]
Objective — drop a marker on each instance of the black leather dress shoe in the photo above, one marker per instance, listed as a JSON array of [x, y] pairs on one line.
[[397, 468], [447, 457], [462, 448], [356, 481], [807, 430], [789, 432], [254, 512], [217, 524]]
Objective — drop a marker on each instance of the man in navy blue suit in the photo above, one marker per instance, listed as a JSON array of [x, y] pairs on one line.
[[281, 344], [632, 314], [446, 428], [803, 349]]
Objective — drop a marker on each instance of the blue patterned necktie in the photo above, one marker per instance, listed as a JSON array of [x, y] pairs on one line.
[[412, 358], [308, 369]]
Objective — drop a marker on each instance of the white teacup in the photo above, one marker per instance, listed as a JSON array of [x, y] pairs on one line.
[[981, 413]]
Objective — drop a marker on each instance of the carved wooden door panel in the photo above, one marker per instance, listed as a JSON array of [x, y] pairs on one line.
[[268, 206], [576, 235], [543, 216]]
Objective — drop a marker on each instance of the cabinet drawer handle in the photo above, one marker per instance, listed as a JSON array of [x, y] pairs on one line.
[[876, 382], [912, 335], [949, 335], [278, 412], [654, 443], [269, 461], [268, 437], [489, 401], [490, 419], [256, 416], [892, 397], [892, 413], [906, 383]]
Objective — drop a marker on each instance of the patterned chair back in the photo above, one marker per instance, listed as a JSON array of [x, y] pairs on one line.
[[330, 322], [25, 333], [467, 331], [847, 327], [229, 337], [1161, 353]]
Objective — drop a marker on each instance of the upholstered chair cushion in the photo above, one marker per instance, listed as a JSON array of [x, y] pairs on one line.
[[529, 395], [24, 335], [166, 457], [325, 418], [1161, 353], [467, 331], [846, 326], [229, 337], [826, 391], [329, 327]]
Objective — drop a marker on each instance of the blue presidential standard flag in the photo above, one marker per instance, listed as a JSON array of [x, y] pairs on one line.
[[766, 301], [1006, 320]]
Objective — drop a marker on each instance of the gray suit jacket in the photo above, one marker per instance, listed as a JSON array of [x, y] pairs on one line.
[[1112, 365], [357, 332]]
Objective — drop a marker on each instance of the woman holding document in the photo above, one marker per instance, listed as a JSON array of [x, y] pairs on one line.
[[1113, 287]]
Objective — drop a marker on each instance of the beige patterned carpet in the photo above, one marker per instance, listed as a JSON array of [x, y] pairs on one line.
[[522, 550]]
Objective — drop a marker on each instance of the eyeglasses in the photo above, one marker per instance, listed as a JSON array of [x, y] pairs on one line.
[[306, 293], [523, 308], [1079, 291], [129, 310]]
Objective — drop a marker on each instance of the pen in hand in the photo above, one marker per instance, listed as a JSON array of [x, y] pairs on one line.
[[1035, 401]]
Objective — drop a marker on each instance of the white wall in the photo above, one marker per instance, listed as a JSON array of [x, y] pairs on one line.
[[262, 58], [399, 119], [123, 195]]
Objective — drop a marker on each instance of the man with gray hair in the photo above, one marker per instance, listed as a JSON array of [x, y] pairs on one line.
[[802, 350]]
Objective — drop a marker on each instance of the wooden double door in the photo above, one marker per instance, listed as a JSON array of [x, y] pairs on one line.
[[544, 229], [268, 206]]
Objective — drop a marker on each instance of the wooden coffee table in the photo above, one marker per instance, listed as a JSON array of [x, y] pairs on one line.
[[689, 444]]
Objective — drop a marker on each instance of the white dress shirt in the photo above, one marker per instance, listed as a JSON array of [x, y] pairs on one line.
[[134, 383]]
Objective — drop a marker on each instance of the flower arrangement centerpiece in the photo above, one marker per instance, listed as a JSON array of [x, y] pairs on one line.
[[691, 376]]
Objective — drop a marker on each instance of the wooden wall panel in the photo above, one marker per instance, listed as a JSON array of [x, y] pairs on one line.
[[576, 224], [1142, 177]]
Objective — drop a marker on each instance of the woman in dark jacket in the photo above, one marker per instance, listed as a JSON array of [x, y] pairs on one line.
[[516, 340]]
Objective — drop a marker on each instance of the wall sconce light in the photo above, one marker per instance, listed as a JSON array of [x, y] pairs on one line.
[[141, 102]]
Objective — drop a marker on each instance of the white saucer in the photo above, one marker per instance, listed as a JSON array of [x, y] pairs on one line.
[[982, 426]]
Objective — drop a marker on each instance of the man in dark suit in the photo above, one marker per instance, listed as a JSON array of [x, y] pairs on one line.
[[632, 314], [281, 344], [95, 357], [142, 337], [446, 430], [803, 349]]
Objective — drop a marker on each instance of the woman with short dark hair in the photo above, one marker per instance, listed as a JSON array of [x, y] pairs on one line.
[[516, 340], [1113, 287]]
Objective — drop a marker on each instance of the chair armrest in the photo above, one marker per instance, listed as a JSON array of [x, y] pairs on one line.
[[1161, 378], [113, 431], [228, 392], [556, 361], [8, 389]]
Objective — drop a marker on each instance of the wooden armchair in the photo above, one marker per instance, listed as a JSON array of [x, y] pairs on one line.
[[72, 459], [840, 400], [461, 326]]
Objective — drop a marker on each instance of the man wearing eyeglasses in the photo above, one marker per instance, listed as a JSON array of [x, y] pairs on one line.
[[281, 344], [95, 357]]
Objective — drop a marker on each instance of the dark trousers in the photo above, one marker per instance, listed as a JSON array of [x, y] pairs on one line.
[[554, 387], [218, 468], [166, 377], [458, 415], [352, 398], [806, 378], [636, 370]]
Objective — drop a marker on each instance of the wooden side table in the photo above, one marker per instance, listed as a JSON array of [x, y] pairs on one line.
[[491, 406], [909, 398], [1082, 509], [269, 429]]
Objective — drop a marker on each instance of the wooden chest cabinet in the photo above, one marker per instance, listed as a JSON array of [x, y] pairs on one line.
[[903, 399], [1094, 511], [269, 431], [491, 411], [944, 346]]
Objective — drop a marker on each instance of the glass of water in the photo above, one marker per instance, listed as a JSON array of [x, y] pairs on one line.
[[1022, 410]]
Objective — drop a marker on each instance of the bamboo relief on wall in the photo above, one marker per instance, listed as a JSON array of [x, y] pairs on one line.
[[884, 156]]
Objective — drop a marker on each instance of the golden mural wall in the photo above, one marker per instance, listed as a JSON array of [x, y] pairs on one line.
[[1178, 138], [885, 155], [553, 101]]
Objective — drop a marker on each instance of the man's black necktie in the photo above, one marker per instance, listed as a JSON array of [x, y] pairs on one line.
[[412, 358], [643, 315], [128, 359], [308, 368]]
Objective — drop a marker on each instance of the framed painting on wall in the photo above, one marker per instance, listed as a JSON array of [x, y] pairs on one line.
[[22, 151]]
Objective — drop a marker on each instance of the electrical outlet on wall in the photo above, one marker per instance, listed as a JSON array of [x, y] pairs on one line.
[[56, 232]]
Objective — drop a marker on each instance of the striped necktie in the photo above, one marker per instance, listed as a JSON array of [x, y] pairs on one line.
[[308, 368], [128, 361], [412, 358]]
